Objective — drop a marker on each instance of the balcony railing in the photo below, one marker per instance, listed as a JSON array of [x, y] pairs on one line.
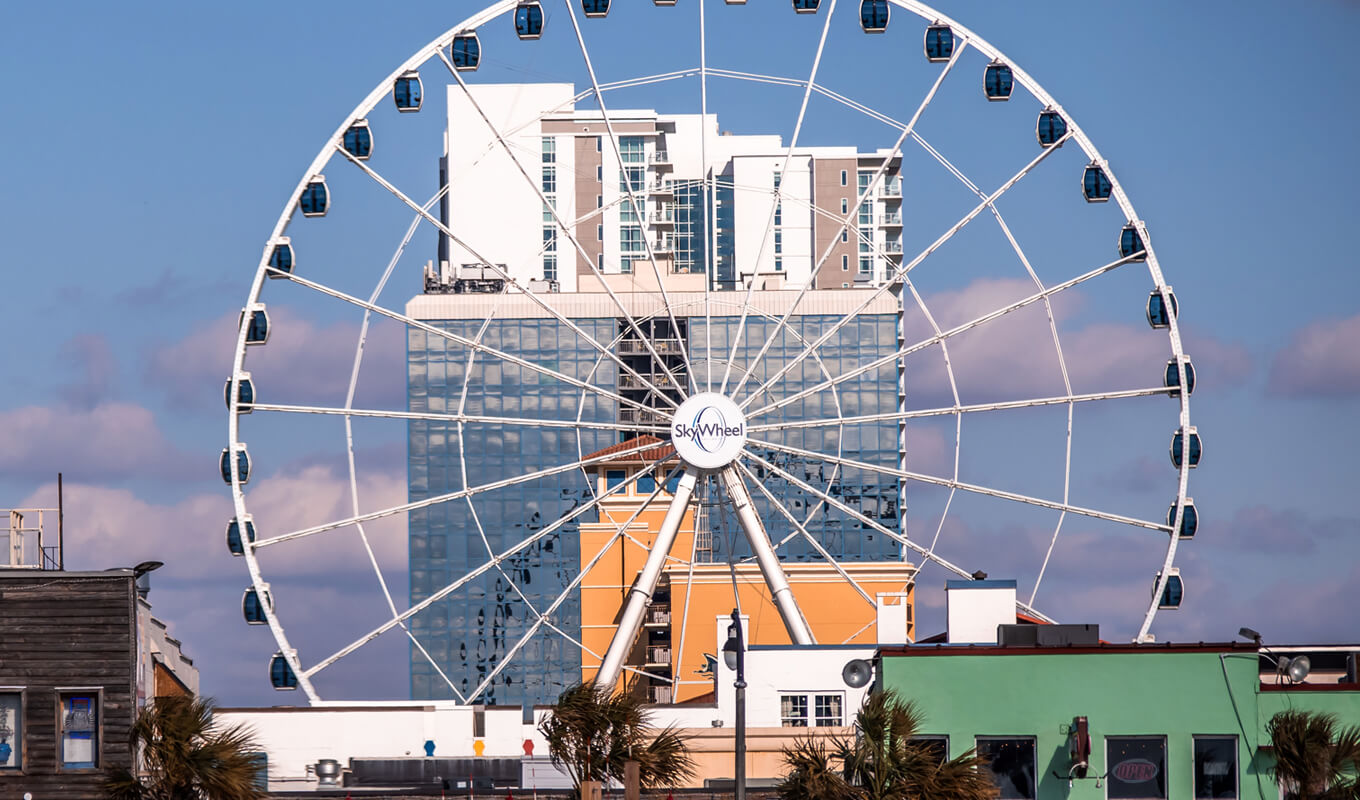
[[661, 157], [660, 694], [637, 347], [658, 616], [892, 189], [640, 416], [894, 220], [658, 656]]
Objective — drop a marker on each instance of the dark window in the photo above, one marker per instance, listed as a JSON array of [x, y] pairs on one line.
[[1012, 765], [80, 730], [11, 730], [793, 710], [260, 761], [646, 484], [1215, 767], [937, 746], [479, 723], [828, 710], [612, 478], [1137, 767]]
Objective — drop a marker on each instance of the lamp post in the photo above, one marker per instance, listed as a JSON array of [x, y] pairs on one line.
[[734, 655]]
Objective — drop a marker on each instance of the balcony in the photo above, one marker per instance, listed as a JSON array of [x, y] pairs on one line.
[[661, 188], [637, 347], [663, 218], [892, 220], [658, 379], [658, 656], [641, 416], [659, 694], [660, 159], [665, 244], [657, 617], [893, 189], [892, 248]]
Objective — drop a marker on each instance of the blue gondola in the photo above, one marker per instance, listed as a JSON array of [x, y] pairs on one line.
[[234, 543], [595, 9], [466, 52], [1050, 128], [1157, 315], [1174, 592], [316, 198], [258, 330], [998, 81], [280, 674], [1173, 377], [245, 394], [528, 19], [281, 257], [805, 6], [1095, 184], [252, 608], [358, 140], [408, 92], [242, 465], [939, 43], [1178, 448], [1189, 520], [873, 15], [1131, 244]]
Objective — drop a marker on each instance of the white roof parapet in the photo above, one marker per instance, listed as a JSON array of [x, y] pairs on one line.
[[595, 305]]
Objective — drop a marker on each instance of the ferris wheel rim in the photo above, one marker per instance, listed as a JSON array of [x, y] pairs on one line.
[[496, 9]]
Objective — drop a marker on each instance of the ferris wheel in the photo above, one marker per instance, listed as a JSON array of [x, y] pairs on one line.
[[937, 369]]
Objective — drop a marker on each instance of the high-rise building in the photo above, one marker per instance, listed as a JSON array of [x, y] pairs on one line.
[[739, 203]]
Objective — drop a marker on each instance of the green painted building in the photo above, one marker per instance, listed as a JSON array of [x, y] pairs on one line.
[[1163, 721]]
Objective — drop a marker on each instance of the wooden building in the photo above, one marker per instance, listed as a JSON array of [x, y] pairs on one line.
[[68, 680]]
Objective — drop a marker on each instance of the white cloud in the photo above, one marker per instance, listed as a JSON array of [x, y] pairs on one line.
[[109, 443], [1322, 359]]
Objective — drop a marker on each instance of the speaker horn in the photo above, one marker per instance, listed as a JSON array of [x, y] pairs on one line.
[[857, 673]]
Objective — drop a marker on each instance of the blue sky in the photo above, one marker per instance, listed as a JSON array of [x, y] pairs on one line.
[[151, 148]]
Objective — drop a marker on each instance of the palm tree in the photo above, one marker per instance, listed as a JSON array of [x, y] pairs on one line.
[[1315, 759], [593, 732], [185, 756], [884, 761]]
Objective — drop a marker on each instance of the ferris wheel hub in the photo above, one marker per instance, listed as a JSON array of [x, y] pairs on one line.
[[708, 431]]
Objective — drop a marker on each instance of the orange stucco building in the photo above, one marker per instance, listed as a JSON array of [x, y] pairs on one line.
[[669, 660]]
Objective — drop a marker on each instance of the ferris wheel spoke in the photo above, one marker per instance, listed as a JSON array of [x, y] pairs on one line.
[[778, 192], [455, 417], [458, 495], [853, 213], [936, 339], [544, 618], [466, 342], [639, 211], [947, 411], [903, 271], [925, 553], [967, 487], [531, 295], [501, 557], [580, 250], [802, 531], [709, 196]]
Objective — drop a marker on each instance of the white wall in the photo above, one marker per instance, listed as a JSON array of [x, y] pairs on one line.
[[975, 608]]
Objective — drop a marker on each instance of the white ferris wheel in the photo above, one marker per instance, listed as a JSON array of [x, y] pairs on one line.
[[960, 400]]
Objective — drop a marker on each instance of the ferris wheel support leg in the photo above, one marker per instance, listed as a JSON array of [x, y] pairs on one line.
[[770, 568], [640, 595]]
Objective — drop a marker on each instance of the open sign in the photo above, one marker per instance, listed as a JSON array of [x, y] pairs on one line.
[[1135, 770]]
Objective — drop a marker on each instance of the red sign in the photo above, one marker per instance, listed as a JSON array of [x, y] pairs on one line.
[[1135, 770]]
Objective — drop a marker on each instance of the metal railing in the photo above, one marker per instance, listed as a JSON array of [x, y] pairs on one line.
[[658, 656], [660, 694], [26, 542]]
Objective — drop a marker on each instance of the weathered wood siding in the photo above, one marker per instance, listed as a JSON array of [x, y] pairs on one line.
[[59, 631]]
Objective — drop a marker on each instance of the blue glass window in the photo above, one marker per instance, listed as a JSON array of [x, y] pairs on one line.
[[245, 393], [646, 484], [281, 257], [465, 52], [1178, 449], [613, 478], [252, 609], [406, 92], [242, 465], [672, 484], [258, 333], [80, 731], [1173, 377], [1157, 312], [595, 8], [1189, 520], [234, 535], [1131, 244], [805, 6]]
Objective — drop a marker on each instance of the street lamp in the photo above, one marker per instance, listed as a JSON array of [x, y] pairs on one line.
[[734, 655]]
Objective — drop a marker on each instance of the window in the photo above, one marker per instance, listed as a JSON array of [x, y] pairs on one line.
[[261, 763], [599, 173], [632, 149], [549, 150], [937, 746], [845, 263], [845, 206], [549, 179], [632, 179], [1137, 766], [599, 144], [1012, 764], [828, 710], [612, 478], [599, 201], [549, 266], [844, 177], [1215, 767], [866, 265], [80, 730], [599, 233], [11, 730], [793, 710], [646, 484]]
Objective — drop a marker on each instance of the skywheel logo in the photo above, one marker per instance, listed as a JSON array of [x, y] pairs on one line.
[[708, 431]]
